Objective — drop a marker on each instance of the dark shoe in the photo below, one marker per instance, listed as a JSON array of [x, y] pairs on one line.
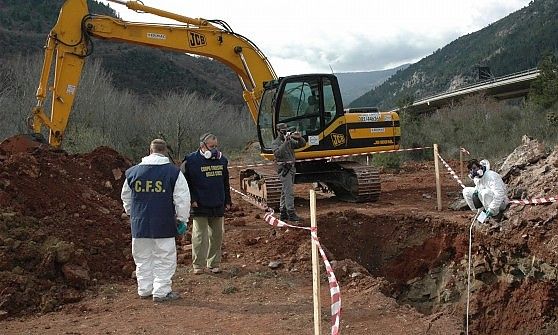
[[169, 297], [293, 217], [284, 215], [215, 270], [145, 296]]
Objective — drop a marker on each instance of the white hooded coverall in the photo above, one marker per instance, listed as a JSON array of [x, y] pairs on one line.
[[491, 189], [155, 258]]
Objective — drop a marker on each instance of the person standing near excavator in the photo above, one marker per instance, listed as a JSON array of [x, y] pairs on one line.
[[283, 149], [155, 194], [206, 171]]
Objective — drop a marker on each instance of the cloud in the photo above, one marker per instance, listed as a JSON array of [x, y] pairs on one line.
[[377, 48], [307, 36]]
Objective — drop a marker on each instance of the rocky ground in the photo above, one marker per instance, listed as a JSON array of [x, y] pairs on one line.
[[66, 267]]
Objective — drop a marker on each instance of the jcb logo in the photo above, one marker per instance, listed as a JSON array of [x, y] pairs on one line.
[[337, 139], [196, 40]]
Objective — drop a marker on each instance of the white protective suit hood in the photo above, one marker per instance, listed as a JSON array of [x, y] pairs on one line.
[[492, 181]]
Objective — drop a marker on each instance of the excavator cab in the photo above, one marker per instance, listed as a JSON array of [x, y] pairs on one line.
[[306, 103], [312, 105]]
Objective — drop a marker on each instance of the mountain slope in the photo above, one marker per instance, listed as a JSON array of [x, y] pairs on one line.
[[355, 84], [24, 25], [514, 43]]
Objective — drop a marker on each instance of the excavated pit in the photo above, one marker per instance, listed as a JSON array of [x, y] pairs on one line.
[[424, 261], [412, 253]]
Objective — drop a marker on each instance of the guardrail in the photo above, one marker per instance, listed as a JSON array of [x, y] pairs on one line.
[[489, 82], [520, 74]]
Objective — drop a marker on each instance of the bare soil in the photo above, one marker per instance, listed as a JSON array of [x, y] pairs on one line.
[[66, 266]]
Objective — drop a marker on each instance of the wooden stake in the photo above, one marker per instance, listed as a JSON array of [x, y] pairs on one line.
[[438, 185], [315, 269]]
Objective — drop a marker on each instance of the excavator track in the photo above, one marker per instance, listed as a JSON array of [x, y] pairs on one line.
[[263, 187], [356, 183]]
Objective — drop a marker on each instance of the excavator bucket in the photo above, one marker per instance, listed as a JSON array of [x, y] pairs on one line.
[[20, 143]]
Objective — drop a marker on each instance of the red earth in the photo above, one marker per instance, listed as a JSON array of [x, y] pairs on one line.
[[66, 267]]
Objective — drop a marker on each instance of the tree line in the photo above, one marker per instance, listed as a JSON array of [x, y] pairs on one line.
[[104, 115]]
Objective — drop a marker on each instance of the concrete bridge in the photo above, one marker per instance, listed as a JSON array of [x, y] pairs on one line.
[[507, 87]]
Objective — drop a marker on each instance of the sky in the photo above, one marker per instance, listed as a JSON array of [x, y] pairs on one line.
[[310, 36]]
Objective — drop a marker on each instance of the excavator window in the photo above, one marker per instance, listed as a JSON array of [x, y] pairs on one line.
[[265, 118], [330, 109], [306, 103], [300, 106]]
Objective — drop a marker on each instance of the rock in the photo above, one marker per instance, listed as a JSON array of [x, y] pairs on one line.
[[275, 264], [108, 185], [18, 270], [117, 173], [70, 296], [128, 270], [518, 193], [4, 183], [459, 205], [64, 251], [104, 210], [527, 153], [76, 275], [550, 272]]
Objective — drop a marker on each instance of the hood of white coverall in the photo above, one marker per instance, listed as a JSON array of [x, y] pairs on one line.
[[491, 180]]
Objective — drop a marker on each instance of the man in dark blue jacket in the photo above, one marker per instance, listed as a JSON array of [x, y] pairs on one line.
[[206, 171], [155, 194]]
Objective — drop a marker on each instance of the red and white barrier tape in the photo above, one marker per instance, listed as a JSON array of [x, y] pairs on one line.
[[330, 157], [453, 174], [249, 199], [535, 201], [272, 220], [333, 285], [334, 291]]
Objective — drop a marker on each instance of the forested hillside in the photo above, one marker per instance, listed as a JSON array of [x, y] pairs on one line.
[[514, 43], [24, 25]]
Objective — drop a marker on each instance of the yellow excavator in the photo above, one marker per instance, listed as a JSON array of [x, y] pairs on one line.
[[310, 103]]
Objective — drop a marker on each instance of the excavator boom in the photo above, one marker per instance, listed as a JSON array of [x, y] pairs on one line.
[[69, 42], [310, 103]]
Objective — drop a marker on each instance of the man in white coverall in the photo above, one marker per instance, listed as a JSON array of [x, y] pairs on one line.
[[155, 195], [489, 192]]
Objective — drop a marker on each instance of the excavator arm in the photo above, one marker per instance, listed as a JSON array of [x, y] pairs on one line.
[[69, 42], [310, 103]]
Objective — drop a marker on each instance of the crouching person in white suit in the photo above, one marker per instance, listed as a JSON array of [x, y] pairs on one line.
[[489, 192]]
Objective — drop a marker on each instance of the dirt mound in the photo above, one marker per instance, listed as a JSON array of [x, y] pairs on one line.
[[515, 261], [61, 229]]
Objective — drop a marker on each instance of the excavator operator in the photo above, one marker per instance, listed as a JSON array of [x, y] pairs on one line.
[[283, 149]]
